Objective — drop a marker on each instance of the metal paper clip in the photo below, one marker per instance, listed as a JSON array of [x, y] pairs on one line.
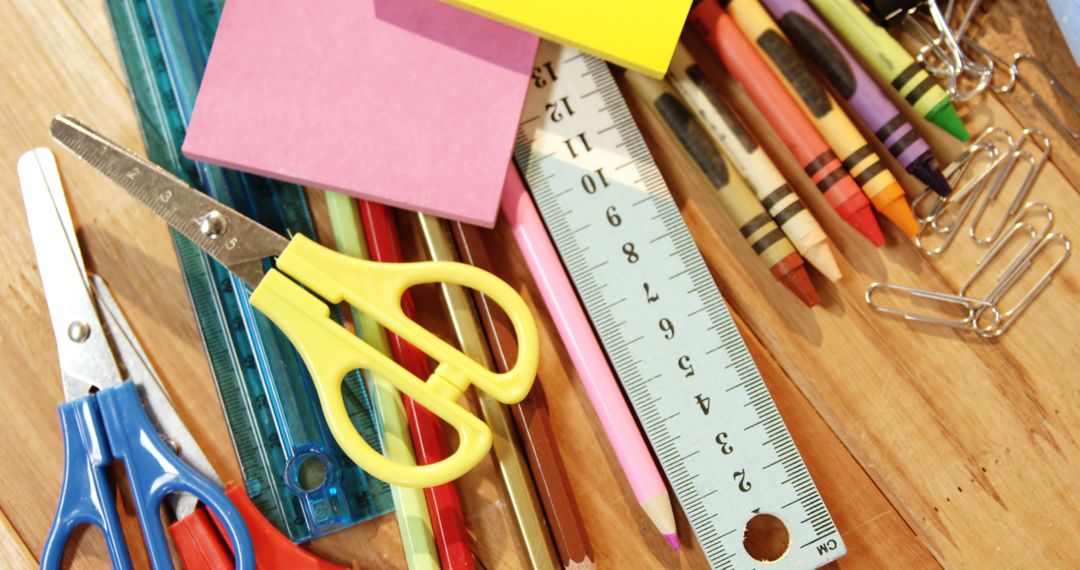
[[946, 46], [992, 254], [971, 305], [1071, 134], [957, 206], [999, 64], [1035, 167], [955, 173], [928, 205], [1003, 321]]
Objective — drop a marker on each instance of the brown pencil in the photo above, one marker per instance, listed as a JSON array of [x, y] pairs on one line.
[[531, 418]]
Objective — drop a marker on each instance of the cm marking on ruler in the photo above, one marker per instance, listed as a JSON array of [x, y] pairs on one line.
[[676, 350]]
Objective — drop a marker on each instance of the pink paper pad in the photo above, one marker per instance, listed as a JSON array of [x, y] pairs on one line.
[[412, 103]]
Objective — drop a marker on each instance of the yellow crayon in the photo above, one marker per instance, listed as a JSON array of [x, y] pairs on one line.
[[879, 185], [731, 191], [752, 163]]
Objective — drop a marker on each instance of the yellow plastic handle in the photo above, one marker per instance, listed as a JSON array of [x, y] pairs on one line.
[[376, 289], [330, 351]]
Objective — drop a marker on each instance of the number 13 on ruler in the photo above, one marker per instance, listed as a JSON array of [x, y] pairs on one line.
[[661, 320]]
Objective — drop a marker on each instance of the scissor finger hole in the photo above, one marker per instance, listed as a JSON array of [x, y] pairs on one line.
[[464, 318], [431, 310]]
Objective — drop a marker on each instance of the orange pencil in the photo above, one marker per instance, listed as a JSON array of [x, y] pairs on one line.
[[821, 164]]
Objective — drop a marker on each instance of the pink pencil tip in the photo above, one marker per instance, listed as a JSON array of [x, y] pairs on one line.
[[673, 540]]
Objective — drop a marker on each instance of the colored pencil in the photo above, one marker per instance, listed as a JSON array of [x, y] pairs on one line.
[[751, 161], [819, 162], [891, 63], [848, 79], [759, 230], [588, 358], [410, 507], [444, 504], [879, 185], [512, 465], [532, 420]]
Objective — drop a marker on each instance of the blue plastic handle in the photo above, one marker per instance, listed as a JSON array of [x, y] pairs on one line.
[[154, 471], [85, 495]]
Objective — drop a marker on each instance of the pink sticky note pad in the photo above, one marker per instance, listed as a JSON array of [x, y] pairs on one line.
[[412, 103]]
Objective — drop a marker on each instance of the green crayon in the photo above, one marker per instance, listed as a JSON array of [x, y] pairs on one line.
[[890, 62]]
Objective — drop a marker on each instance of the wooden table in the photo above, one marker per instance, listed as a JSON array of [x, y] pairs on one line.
[[930, 447]]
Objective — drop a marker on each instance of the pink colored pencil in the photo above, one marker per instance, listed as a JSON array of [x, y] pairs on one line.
[[588, 358]]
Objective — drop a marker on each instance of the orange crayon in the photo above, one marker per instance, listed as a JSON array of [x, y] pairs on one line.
[[819, 162]]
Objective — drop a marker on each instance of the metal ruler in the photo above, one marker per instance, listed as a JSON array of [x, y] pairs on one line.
[[663, 324], [293, 471]]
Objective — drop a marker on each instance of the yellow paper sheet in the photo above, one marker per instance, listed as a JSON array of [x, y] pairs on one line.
[[636, 34]]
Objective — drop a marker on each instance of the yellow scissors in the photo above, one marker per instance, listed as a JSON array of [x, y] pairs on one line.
[[329, 350]]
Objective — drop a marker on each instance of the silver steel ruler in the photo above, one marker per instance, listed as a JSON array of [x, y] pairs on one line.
[[661, 320]]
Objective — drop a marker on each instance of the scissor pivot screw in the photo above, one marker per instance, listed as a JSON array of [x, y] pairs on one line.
[[212, 224], [78, 331]]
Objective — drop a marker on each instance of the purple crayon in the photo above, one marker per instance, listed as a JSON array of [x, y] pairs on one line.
[[808, 33]]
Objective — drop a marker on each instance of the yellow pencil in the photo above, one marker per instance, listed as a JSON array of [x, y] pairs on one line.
[[751, 161], [410, 507], [879, 185], [512, 465]]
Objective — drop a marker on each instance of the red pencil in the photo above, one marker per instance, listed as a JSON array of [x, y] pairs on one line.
[[444, 505]]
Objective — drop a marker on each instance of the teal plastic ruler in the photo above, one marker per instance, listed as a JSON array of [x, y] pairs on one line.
[[661, 320], [293, 471]]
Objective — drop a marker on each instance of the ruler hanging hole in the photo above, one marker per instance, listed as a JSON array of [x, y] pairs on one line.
[[766, 538], [307, 472]]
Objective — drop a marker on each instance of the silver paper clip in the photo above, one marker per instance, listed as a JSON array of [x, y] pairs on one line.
[[958, 205], [946, 47], [1071, 134], [1035, 166], [928, 205], [992, 254], [1004, 320], [970, 305]]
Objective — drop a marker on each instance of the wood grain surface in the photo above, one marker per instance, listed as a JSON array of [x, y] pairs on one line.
[[930, 447]]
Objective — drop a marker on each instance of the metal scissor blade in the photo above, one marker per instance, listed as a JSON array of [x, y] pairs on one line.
[[156, 401], [86, 360], [235, 240]]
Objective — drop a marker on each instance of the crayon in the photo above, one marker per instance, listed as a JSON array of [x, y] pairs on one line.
[[807, 32], [752, 163], [891, 63], [719, 31], [879, 185], [730, 190]]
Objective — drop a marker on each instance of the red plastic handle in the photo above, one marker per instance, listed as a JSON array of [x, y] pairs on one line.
[[199, 544], [202, 546]]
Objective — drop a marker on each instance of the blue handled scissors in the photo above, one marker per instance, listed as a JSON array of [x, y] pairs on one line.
[[103, 417]]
